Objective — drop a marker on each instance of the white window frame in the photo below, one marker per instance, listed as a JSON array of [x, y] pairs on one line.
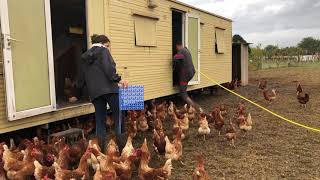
[[187, 15], [7, 62]]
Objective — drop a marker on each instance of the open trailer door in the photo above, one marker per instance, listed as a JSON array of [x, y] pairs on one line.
[[28, 59], [192, 40]]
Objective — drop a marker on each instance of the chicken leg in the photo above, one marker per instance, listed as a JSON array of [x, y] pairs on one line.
[[190, 102], [158, 154], [232, 143], [182, 163]]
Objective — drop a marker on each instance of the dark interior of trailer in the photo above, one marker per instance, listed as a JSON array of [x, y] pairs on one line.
[[236, 61], [177, 36], [69, 39]]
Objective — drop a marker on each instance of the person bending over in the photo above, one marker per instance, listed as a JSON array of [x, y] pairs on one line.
[[98, 73]]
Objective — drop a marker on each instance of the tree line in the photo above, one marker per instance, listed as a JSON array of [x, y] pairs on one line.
[[307, 46]]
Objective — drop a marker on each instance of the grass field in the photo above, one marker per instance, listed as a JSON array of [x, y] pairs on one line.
[[274, 149], [256, 65]]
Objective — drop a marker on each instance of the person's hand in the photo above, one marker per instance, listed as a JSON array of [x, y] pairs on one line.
[[123, 84]]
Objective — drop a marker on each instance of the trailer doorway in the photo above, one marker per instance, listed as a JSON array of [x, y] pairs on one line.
[[186, 29], [236, 61], [177, 36], [69, 39]]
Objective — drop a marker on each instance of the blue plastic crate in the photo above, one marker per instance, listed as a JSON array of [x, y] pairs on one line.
[[131, 98]]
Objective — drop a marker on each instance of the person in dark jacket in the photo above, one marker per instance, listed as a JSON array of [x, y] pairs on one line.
[[98, 73], [182, 63]]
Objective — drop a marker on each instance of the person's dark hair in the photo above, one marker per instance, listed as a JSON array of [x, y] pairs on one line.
[[99, 39], [179, 43]]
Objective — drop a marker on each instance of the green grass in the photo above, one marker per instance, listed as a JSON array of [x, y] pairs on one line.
[[273, 65]]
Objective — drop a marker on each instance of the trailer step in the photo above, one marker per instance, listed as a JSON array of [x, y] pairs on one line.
[[69, 132]]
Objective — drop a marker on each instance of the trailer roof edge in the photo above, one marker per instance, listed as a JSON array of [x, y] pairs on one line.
[[199, 9]]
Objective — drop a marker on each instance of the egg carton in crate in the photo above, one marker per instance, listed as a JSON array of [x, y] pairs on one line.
[[131, 98]]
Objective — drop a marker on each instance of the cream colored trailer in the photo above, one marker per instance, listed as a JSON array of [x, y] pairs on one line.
[[142, 33]]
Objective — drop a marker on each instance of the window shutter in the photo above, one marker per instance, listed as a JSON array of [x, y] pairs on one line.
[[145, 31], [220, 40]]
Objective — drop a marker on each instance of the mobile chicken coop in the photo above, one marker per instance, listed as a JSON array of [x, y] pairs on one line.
[[42, 41]]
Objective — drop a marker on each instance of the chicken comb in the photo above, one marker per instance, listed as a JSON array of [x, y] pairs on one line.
[[108, 176], [34, 151], [138, 152], [89, 150], [135, 153], [66, 148], [50, 157]]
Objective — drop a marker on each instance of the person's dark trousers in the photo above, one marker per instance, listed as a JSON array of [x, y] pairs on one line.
[[100, 105], [185, 97]]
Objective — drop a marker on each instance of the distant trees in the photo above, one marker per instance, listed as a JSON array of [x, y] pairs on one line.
[[310, 45], [275, 56], [307, 46], [271, 51], [258, 53]]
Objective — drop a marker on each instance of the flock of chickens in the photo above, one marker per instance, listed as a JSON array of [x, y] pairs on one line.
[[84, 159], [303, 98]]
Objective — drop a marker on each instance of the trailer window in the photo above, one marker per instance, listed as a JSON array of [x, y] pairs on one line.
[[145, 31], [220, 46]]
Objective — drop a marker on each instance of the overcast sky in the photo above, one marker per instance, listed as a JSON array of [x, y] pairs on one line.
[[277, 22]]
